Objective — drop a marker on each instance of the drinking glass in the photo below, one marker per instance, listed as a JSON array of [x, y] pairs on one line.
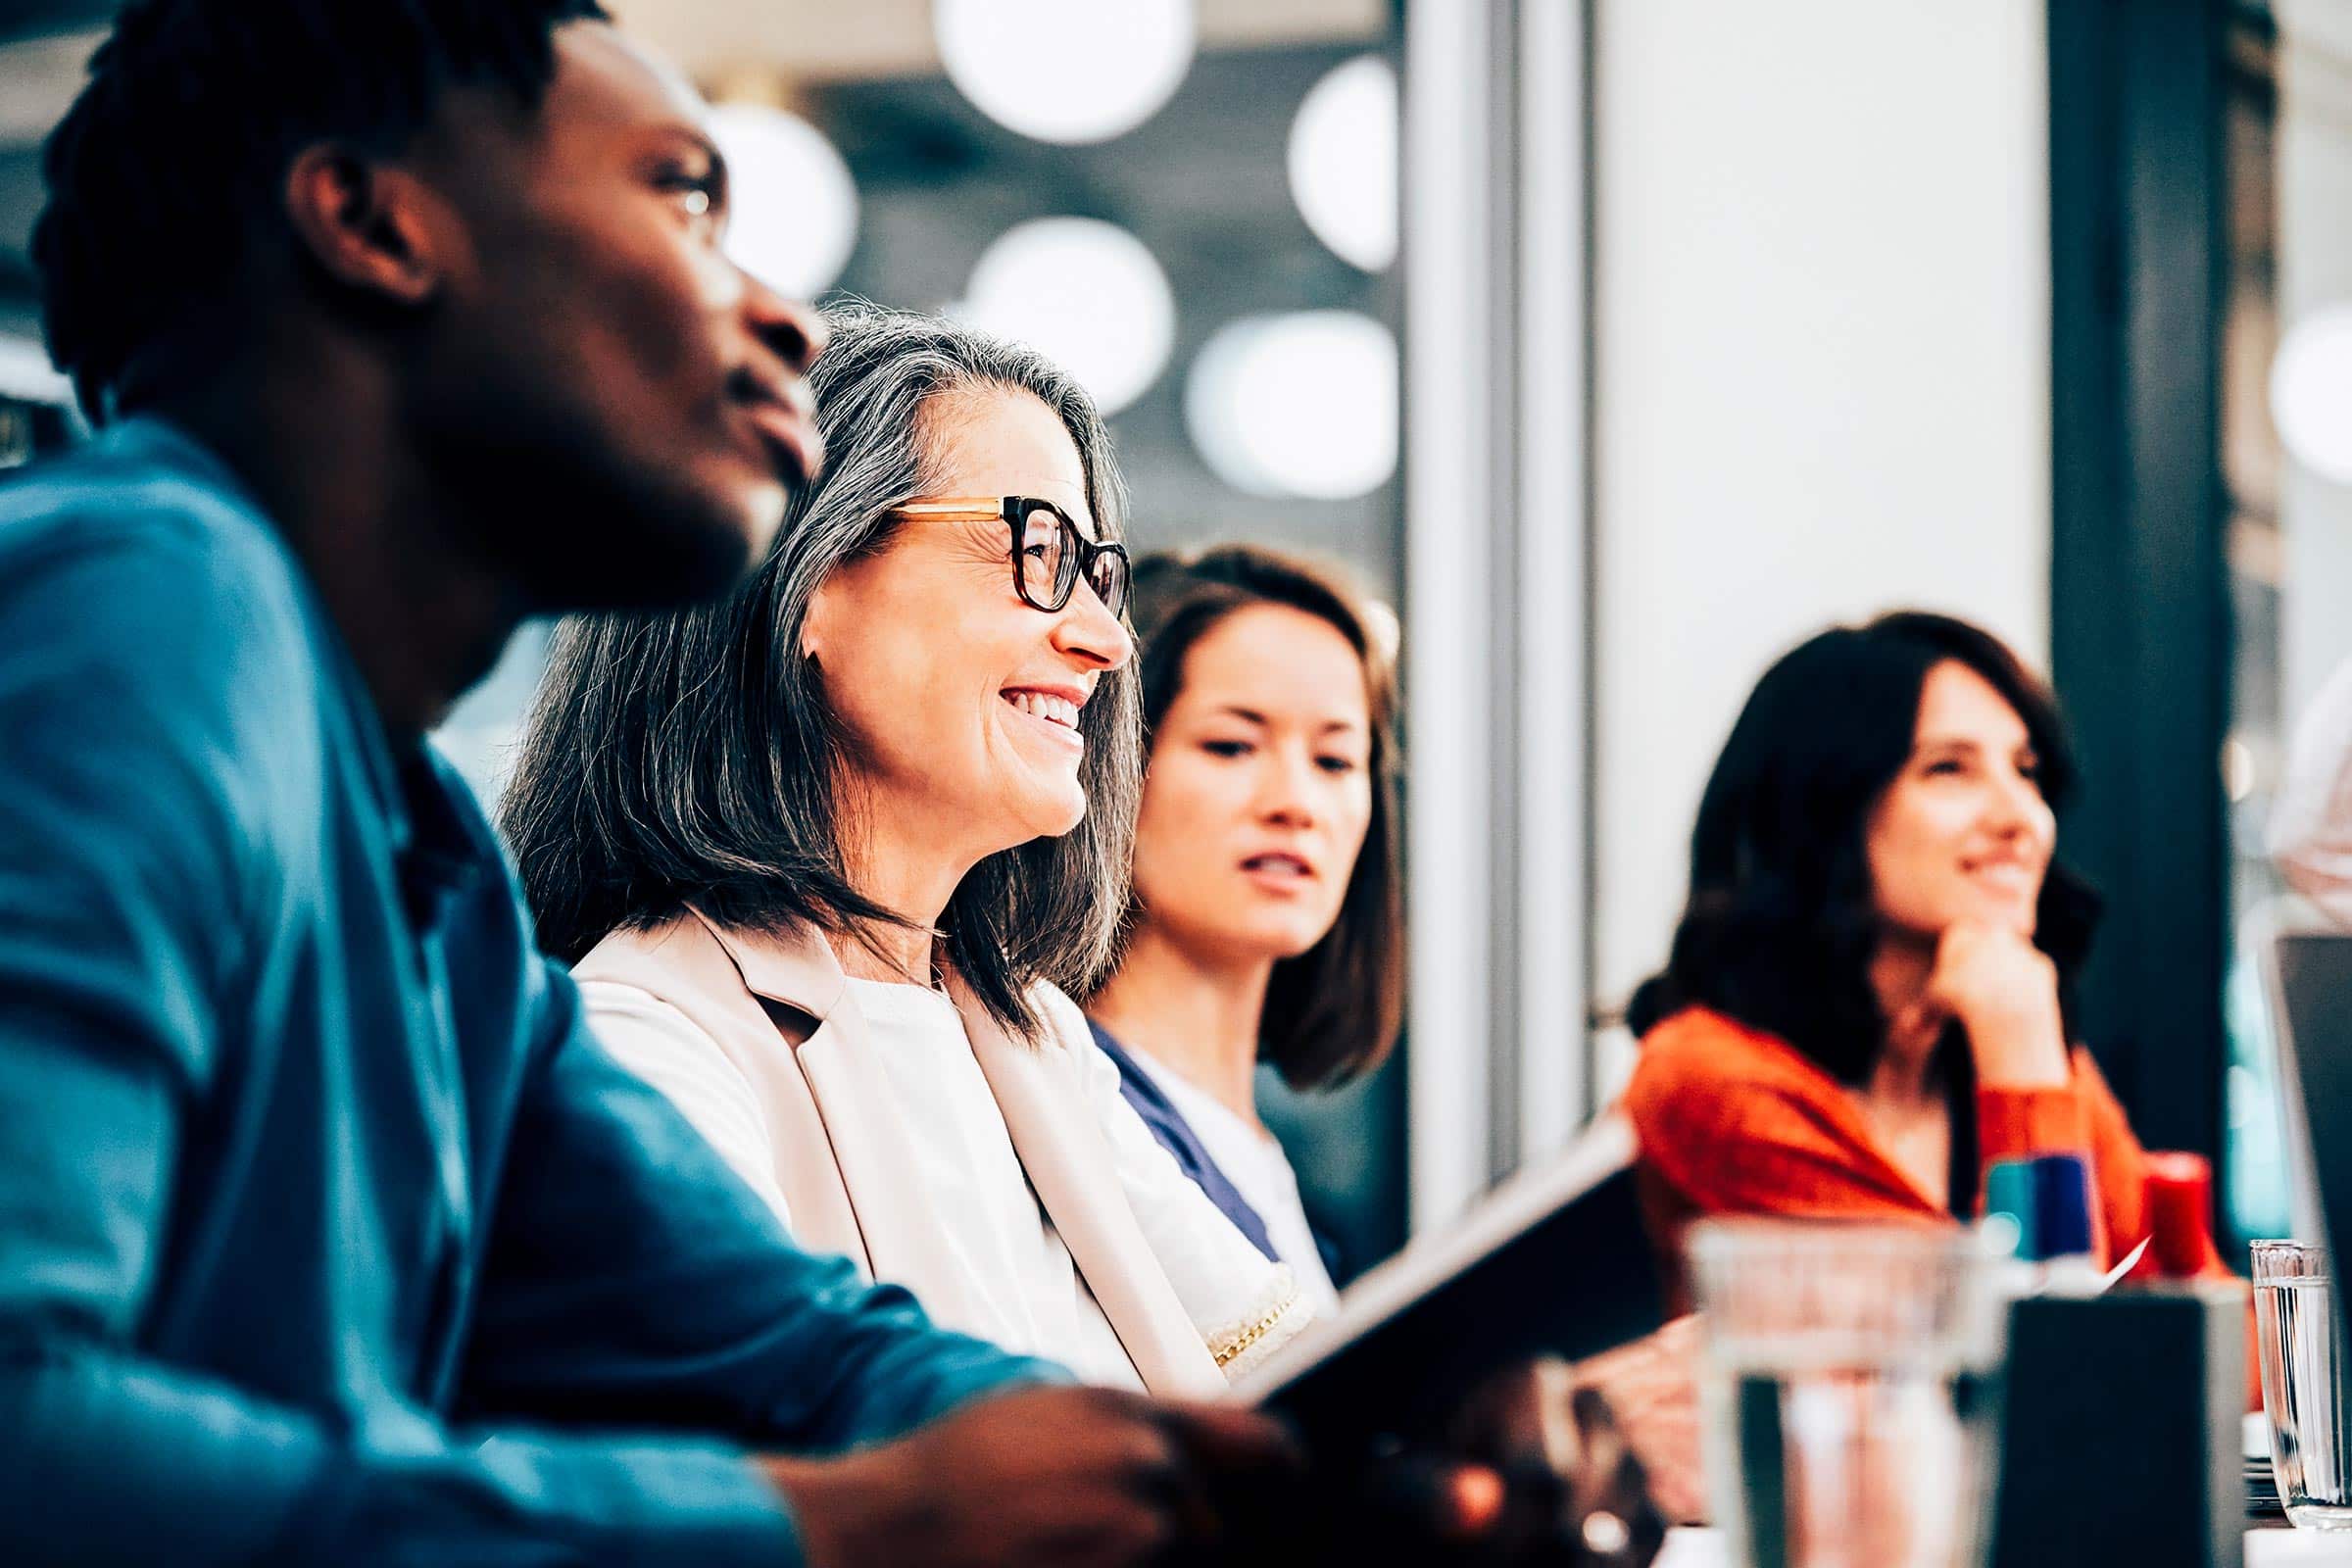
[[2302, 1353], [1849, 1392]]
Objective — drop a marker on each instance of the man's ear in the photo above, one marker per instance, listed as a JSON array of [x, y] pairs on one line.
[[364, 223]]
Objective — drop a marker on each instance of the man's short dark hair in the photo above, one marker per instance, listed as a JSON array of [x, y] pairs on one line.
[[167, 168]]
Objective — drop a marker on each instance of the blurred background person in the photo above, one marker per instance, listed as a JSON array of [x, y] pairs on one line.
[[824, 853], [2310, 829], [1266, 923], [1867, 998]]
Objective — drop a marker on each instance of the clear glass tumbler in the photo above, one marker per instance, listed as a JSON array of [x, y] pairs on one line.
[[1851, 1392], [2302, 1352]]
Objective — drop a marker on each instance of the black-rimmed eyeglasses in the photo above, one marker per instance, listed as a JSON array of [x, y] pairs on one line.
[[1051, 555]]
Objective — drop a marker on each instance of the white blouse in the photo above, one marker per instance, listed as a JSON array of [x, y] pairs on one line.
[[1038, 1297], [1259, 1171]]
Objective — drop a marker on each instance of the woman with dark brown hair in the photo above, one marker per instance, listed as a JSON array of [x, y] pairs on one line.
[[1266, 923], [1869, 1001]]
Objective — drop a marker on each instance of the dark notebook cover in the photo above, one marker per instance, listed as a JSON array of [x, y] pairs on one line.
[[1555, 1263]]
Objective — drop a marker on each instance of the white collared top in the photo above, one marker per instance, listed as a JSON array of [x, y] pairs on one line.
[[956, 1148]]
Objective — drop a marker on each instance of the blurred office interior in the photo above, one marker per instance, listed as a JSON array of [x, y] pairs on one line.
[[1617, 345]]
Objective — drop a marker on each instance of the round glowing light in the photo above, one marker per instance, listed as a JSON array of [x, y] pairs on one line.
[[1067, 71], [1086, 294], [1384, 628], [2311, 392], [1297, 405], [1343, 162], [793, 207], [2237, 769], [26, 374]]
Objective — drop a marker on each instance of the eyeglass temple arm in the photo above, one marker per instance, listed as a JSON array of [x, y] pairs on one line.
[[975, 511]]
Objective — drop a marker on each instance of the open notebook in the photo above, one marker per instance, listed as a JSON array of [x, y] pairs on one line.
[[1556, 1261]]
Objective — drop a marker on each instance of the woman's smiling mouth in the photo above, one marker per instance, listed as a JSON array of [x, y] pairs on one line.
[[1051, 712], [2014, 878]]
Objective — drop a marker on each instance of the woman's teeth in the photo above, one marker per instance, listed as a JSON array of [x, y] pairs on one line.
[[1040, 704], [1278, 865]]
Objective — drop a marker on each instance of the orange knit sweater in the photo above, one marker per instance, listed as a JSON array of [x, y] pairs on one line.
[[1735, 1121]]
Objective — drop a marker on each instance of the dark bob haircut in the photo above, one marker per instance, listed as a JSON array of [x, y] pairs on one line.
[[1332, 1012], [165, 175], [691, 757], [1782, 924]]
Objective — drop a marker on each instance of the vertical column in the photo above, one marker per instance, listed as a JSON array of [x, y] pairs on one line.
[[1448, 531], [1550, 574], [1496, 556], [2139, 635]]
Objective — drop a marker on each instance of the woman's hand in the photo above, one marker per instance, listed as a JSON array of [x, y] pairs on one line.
[[1651, 1386], [2004, 991]]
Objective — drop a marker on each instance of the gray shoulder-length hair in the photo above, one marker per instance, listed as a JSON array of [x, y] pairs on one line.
[[690, 757]]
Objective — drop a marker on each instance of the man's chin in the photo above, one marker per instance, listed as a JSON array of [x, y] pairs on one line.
[[671, 558], [733, 533]]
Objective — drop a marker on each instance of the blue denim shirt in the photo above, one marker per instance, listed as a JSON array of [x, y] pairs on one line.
[[327, 1232]]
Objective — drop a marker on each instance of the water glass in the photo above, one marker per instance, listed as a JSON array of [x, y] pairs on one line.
[[1850, 1391], [2302, 1356]]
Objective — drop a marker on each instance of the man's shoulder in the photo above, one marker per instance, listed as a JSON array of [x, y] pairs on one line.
[[157, 633], [150, 503]]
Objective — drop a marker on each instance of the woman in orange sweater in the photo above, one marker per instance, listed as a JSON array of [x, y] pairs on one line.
[[1867, 1003]]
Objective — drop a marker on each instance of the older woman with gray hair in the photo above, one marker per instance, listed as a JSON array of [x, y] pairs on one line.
[[827, 855]]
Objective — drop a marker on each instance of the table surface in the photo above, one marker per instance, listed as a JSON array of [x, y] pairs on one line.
[[2264, 1548]]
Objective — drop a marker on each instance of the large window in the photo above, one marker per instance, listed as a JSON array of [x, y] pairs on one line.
[[2286, 466]]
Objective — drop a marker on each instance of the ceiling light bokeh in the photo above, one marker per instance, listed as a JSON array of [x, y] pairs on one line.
[[2311, 392], [1088, 295], [1343, 162], [1303, 404], [1067, 71], [794, 217]]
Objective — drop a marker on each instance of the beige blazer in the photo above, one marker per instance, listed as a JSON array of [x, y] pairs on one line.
[[758, 1042]]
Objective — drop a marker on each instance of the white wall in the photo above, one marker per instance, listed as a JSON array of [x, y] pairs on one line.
[[1822, 375]]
